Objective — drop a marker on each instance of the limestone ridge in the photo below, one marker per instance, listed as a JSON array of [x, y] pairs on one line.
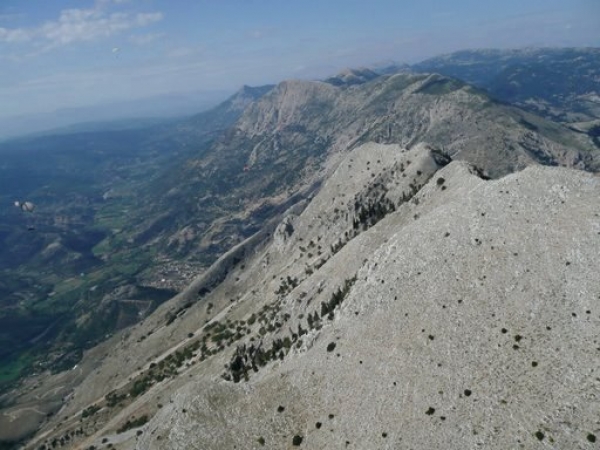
[[406, 109], [339, 177], [453, 333], [297, 132], [229, 111], [410, 303]]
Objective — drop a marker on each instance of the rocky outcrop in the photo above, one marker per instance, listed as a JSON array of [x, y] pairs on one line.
[[413, 302], [473, 322], [351, 232], [406, 109]]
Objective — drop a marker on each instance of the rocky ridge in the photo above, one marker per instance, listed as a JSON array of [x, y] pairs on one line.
[[301, 163], [472, 321], [558, 83], [295, 134], [410, 303], [407, 109]]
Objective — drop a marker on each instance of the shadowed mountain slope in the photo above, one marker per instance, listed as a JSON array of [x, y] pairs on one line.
[[559, 83], [69, 277]]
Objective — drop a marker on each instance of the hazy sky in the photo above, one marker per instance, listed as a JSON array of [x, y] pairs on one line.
[[60, 53]]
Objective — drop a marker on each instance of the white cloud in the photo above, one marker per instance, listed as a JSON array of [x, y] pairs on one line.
[[80, 25], [145, 19], [14, 35]]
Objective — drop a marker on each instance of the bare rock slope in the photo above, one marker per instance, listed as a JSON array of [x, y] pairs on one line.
[[410, 304], [473, 322], [407, 109]]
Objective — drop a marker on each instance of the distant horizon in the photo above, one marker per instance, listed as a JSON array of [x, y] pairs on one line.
[[205, 99], [60, 54], [372, 65]]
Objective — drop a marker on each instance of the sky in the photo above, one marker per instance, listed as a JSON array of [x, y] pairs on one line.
[[62, 54]]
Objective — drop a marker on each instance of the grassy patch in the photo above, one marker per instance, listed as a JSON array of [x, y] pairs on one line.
[[11, 370], [440, 86]]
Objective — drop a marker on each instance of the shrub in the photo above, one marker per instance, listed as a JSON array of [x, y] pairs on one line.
[[133, 424], [539, 435], [90, 411]]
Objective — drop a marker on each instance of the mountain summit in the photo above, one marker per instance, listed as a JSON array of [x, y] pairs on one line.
[[351, 77]]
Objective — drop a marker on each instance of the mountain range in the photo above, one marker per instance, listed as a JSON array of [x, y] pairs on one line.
[[557, 83], [375, 260]]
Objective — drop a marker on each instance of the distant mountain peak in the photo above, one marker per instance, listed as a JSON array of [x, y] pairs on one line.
[[350, 77], [225, 114], [254, 91], [557, 83], [248, 94]]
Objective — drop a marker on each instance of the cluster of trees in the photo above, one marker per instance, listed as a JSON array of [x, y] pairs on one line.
[[62, 440], [90, 411], [328, 308], [368, 215], [250, 358], [133, 423], [287, 285]]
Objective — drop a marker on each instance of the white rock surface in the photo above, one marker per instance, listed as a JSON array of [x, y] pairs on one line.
[[485, 308]]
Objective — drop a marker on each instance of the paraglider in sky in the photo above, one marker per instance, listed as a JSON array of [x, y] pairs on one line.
[[116, 51], [25, 206]]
